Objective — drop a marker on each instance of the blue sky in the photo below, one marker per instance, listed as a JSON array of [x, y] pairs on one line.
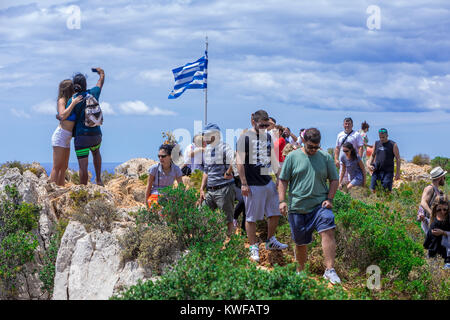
[[308, 63]]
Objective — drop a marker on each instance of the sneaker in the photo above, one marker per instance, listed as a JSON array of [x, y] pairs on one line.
[[254, 253], [331, 276], [446, 266], [274, 244]]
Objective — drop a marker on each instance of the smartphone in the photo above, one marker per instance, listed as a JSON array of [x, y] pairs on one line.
[[94, 70]]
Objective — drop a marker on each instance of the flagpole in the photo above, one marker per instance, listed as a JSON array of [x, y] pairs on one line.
[[206, 89]]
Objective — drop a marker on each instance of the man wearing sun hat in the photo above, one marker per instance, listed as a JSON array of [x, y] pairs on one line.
[[218, 174], [430, 192]]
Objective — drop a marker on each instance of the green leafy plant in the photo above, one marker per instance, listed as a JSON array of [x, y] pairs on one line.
[[17, 242], [144, 178], [190, 223], [196, 179], [223, 272]]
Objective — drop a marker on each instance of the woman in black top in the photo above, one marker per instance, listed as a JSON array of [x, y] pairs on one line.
[[437, 240]]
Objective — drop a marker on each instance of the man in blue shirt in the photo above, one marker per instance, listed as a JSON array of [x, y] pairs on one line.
[[87, 138]]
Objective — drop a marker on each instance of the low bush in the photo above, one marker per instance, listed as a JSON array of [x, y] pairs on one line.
[[375, 234], [144, 178], [97, 214], [17, 242], [16, 164], [421, 159], [191, 224], [152, 246], [223, 272], [82, 196], [48, 270]]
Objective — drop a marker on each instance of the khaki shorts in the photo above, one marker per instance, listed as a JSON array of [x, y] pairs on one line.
[[223, 199], [263, 200]]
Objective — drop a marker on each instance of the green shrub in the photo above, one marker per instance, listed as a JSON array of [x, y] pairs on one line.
[[144, 178], [47, 273], [196, 179], [224, 272], [442, 162], [370, 234], [82, 196], [158, 246], [17, 242], [16, 164], [96, 215], [421, 159], [191, 224]]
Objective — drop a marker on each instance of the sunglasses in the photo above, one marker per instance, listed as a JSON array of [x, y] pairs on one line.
[[345, 151], [382, 131], [162, 156], [441, 209], [262, 126], [308, 146]]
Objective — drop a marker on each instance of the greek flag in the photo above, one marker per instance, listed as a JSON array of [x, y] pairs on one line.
[[190, 76]]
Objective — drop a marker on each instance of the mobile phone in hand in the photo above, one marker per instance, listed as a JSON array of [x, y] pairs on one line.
[[94, 70]]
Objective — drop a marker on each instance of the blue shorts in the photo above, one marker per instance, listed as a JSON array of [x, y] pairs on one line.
[[385, 178], [357, 181], [303, 224]]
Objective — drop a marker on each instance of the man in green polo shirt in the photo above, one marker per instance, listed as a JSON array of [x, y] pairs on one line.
[[307, 170]]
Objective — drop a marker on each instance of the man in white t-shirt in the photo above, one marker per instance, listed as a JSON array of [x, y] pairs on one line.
[[348, 135], [193, 155]]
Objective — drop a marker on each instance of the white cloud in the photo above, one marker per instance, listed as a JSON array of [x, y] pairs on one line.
[[20, 113], [156, 77], [140, 108], [107, 108], [45, 107]]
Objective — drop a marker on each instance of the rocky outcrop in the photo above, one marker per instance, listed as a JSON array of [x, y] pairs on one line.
[[134, 167], [88, 264], [412, 172]]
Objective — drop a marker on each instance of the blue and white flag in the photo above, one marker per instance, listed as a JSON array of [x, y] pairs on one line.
[[190, 76]]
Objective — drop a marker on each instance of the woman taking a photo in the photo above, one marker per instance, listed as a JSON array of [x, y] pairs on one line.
[[63, 133], [162, 174]]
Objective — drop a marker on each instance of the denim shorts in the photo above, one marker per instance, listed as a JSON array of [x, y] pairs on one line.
[[384, 177], [304, 224]]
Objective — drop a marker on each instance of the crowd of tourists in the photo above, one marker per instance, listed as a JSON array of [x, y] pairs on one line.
[[269, 162]]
